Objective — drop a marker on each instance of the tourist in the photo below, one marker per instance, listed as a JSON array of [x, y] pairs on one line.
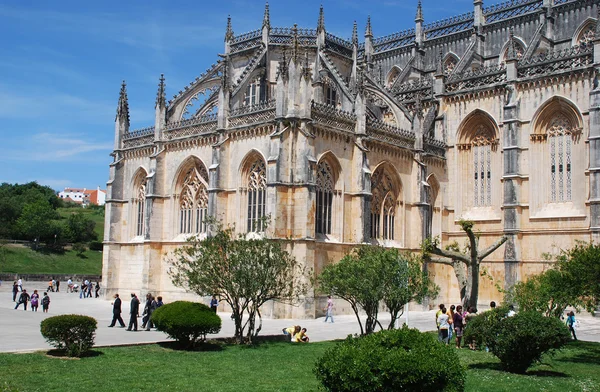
[[451, 321], [571, 323], [97, 289], [148, 309], [437, 315], [89, 289], [20, 284], [492, 305], [57, 285], [82, 289], [23, 299], [117, 312], [45, 303], [69, 285], [291, 332], [444, 323], [159, 302], [301, 336], [471, 314], [511, 311], [50, 287], [15, 290], [214, 304], [457, 324], [53, 284], [35, 298], [329, 309], [134, 310]]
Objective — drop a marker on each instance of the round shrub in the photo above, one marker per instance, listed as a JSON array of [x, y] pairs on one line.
[[522, 339], [187, 322], [70, 332], [403, 359], [96, 245], [483, 329]]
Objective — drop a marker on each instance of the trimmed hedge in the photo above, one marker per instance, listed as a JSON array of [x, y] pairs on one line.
[[518, 341], [403, 359], [187, 322], [70, 332], [96, 245]]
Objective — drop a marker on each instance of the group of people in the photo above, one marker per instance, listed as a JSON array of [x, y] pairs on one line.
[[25, 298], [296, 334], [453, 321], [86, 289], [150, 306], [53, 285]]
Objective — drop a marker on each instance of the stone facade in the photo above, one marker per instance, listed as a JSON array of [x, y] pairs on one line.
[[492, 116]]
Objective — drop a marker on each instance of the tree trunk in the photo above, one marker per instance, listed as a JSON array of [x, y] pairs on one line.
[[472, 294]]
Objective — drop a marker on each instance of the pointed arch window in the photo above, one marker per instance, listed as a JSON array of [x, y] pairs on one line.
[[560, 144], [325, 185], [193, 205], [481, 147], [587, 35], [383, 207], [257, 194], [140, 202]]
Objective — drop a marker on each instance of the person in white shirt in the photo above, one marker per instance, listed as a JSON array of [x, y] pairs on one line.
[[444, 322]]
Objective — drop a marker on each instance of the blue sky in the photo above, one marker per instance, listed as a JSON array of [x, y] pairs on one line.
[[63, 62]]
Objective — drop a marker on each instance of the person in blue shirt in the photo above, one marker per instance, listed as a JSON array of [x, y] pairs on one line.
[[571, 323], [214, 303]]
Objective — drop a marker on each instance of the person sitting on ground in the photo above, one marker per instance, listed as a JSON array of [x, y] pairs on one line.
[[291, 332], [302, 337]]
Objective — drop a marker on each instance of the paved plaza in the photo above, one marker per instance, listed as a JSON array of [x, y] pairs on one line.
[[20, 330]]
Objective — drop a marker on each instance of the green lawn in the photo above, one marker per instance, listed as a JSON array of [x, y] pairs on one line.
[[269, 367], [23, 260]]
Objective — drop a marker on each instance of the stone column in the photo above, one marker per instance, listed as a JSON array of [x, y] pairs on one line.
[[512, 185], [594, 166]]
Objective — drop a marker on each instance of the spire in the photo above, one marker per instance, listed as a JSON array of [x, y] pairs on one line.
[[295, 45], [368, 31], [229, 31], [321, 23], [161, 96], [511, 51], [355, 34], [123, 106], [419, 16], [266, 17]]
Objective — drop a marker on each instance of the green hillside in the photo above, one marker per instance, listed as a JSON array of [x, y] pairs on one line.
[[23, 260], [96, 215]]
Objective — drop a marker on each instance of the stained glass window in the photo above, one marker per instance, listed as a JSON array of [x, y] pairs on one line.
[[383, 205], [257, 193], [481, 147], [325, 184], [193, 205], [560, 147], [140, 202]]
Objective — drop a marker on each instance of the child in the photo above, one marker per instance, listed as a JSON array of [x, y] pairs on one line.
[[35, 298], [291, 332], [301, 336], [45, 303]]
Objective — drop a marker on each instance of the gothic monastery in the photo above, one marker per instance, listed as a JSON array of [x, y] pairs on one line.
[[493, 116]]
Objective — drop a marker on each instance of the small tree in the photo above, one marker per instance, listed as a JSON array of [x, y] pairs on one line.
[[80, 228], [580, 267], [466, 264], [244, 273], [372, 274], [35, 222]]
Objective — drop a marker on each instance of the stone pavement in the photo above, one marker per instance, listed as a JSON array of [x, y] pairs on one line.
[[20, 330]]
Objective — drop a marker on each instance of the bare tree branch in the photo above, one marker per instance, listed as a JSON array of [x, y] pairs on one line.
[[492, 248], [437, 260], [450, 254]]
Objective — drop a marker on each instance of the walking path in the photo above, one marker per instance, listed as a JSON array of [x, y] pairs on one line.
[[20, 330]]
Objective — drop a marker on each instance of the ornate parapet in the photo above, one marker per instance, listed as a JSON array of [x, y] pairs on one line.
[[562, 60], [138, 137], [448, 26], [330, 117], [411, 90], [191, 127], [338, 46], [386, 133], [246, 41], [393, 41], [434, 147], [284, 36], [480, 77], [510, 9], [252, 114]]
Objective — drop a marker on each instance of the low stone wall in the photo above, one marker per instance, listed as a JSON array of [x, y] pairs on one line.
[[48, 277]]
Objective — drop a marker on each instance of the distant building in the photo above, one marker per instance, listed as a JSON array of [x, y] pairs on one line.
[[84, 196]]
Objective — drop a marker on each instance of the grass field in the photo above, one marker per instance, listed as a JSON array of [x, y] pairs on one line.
[[23, 260], [268, 367]]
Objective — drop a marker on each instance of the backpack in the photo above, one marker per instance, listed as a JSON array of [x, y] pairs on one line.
[[46, 301]]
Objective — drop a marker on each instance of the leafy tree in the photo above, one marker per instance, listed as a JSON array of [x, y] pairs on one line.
[[35, 222], [548, 293], [245, 273], [466, 264], [80, 228], [79, 248], [372, 274], [580, 267]]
